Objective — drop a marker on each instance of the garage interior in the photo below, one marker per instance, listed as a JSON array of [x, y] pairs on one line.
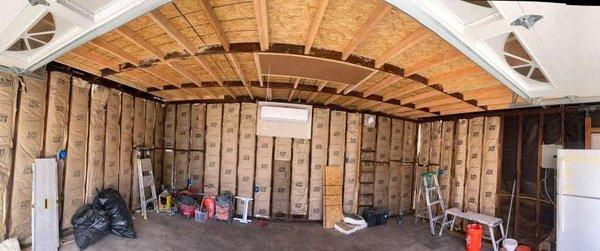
[[313, 110]]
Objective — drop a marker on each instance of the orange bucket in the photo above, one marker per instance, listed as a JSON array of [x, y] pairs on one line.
[[473, 235]]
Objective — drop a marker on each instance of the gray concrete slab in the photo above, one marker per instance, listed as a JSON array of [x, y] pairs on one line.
[[161, 232]]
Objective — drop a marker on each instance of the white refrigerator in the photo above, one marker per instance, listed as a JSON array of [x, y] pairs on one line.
[[578, 200]]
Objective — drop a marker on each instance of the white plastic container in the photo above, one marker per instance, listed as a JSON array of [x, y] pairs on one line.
[[510, 244]]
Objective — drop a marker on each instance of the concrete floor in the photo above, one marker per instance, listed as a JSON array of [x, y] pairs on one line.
[[161, 232]]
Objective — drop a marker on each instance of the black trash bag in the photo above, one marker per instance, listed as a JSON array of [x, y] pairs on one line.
[[121, 223], [89, 226]]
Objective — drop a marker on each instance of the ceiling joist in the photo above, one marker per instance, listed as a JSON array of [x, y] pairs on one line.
[[314, 26], [362, 34], [414, 38], [262, 23]]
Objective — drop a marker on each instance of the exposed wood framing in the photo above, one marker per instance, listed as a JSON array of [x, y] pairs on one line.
[[258, 69], [455, 74], [311, 97], [363, 32], [414, 38], [209, 13], [352, 87], [314, 26], [291, 95], [166, 25], [432, 61], [381, 84], [322, 85], [262, 23], [296, 82], [420, 96]]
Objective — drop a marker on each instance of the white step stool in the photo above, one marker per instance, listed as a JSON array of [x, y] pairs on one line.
[[489, 221]]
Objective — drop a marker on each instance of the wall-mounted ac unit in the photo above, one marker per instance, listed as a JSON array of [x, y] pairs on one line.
[[284, 120]]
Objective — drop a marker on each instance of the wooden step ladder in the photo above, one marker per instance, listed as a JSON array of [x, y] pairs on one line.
[[146, 179]]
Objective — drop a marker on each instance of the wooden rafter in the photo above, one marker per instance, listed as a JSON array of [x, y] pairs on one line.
[[156, 52], [443, 99], [432, 61], [116, 51], [381, 84], [349, 102], [258, 69], [461, 110], [332, 98], [414, 38], [314, 26], [448, 107], [238, 70], [311, 97], [102, 62], [209, 13], [455, 74], [322, 85], [363, 32], [291, 95], [296, 82], [419, 96], [262, 23], [170, 29], [352, 87], [403, 90]]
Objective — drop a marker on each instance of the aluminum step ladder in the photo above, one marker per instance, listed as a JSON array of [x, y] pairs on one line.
[[430, 191], [146, 180]]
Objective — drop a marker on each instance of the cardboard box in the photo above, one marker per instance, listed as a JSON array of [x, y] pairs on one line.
[[197, 126], [97, 133], [9, 84], [229, 147], [159, 125], [182, 131], [409, 147], [126, 148], [489, 174], [150, 118], [369, 132], [299, 185], [170, 114], [436, 143], [396, 140], [113, 138], [319, 154], [383, 139], [264, 167], [460, 163], [30, 131]]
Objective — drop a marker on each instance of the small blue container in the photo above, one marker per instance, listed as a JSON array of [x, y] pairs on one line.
[[200, 216]]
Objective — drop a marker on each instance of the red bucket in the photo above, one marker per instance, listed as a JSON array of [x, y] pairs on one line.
[[473, 235]]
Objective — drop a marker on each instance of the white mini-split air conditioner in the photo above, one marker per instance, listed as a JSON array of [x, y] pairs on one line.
[[284, 120]]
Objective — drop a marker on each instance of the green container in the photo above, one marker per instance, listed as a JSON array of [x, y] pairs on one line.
[[428, 178]]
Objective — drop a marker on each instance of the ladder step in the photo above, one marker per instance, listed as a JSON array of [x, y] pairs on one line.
[[437, 217], [435, 202]]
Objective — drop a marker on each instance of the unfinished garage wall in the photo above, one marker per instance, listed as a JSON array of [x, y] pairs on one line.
[[126, 149], [74, 187], [9, 85], [29, 144], [318, 160], [62, 112], [113, 137], [246, 159]]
